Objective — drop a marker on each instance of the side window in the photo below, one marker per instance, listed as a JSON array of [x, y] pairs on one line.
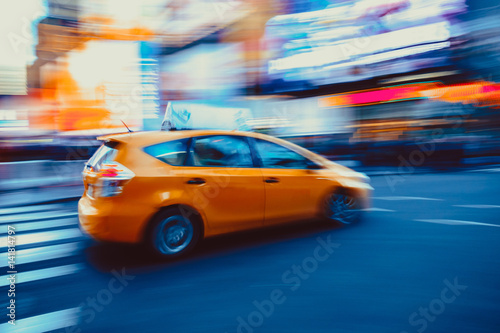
[[221, 151], [273, 155], [171, 152]]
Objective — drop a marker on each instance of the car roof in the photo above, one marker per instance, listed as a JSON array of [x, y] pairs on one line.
[[152, 137]]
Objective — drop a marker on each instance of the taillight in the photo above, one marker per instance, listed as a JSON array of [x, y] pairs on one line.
[[111, 178], [110, 188]]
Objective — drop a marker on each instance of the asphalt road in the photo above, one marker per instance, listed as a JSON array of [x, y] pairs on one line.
[[426, 258]]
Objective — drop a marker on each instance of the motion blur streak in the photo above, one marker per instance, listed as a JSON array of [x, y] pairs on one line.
[[404, 92]]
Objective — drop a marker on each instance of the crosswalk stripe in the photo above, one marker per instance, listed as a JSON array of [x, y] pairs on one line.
[[40, 225], [30, 209], [43, 253], [35, 217], [40, 237], [45, 322], [41, 274]]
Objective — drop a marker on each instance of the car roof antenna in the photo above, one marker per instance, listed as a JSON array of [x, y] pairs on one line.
[[129, 130]]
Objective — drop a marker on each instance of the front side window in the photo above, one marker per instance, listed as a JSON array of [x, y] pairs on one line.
[[221, 151], [273, 155], [171, 152]]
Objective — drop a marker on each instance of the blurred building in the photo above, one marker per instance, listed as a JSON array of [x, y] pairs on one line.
[[304, 68]]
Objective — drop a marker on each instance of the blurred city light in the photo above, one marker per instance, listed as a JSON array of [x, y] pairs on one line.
[[324, 74]]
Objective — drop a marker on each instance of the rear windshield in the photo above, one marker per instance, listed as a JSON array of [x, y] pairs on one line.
[[106, 153]]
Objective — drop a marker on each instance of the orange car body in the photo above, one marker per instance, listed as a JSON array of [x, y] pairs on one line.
[[231, 198]]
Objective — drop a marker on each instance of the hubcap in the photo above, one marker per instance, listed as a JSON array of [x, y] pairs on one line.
[[173, 234], [342, 208]]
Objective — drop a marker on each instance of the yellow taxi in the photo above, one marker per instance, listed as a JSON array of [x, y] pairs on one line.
[[171, 189]]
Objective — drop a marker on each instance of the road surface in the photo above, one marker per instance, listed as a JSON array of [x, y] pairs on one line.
[[426, 258]]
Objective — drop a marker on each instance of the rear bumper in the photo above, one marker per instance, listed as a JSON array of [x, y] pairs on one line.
[[110, 220]]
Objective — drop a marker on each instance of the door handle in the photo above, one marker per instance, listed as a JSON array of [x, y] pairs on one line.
[[272, 180], [196, 181]]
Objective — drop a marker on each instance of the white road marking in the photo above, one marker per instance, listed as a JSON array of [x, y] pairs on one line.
[[43, 253], [457, 222], [42, 274], [29, 209], [374, 209], [34, 217], [44, 323], [40, 237], [40, 225], [478, 206], [403, 198]]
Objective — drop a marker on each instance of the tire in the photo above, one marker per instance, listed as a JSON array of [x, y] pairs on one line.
[[342, 208], [173, 234]]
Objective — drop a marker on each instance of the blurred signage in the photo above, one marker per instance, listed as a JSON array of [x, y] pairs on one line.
[[352, 41], [204, 71], [391, 41], [118, 20], [94, 87], [187, 21], [479, 93], [375, 96]]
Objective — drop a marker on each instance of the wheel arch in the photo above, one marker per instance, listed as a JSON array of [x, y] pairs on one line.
[[337, 188], [184, 210]]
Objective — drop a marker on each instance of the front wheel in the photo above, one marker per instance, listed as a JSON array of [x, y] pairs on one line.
[[342, 208], [173, 234]]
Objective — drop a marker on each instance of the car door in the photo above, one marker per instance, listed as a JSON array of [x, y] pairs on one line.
[[224, 183], [294, 189]]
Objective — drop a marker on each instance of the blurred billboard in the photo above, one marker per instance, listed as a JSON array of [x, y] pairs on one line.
[[359, 40], [206, 70]]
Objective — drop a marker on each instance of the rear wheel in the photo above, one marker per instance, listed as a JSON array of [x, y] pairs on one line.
[[173, 234], [342, 208]]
